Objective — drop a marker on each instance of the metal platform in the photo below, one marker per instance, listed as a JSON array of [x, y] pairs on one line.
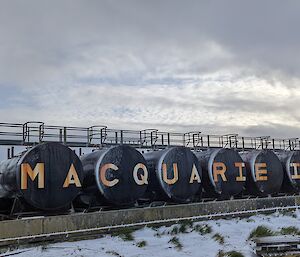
[[32, 133], [278, 245]]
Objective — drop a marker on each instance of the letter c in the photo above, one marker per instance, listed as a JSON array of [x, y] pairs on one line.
[[103, 179]]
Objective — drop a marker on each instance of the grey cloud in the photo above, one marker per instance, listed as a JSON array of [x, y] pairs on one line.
[[171, 64]]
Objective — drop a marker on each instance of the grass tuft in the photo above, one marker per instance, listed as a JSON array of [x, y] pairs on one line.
[[290, 231], [183, 228], [203, 229], [124, 233], [154, 226], [174, 231], [175, 241], [289, 213], [187, 223], [261, 231], [141, 243], [219, 238]]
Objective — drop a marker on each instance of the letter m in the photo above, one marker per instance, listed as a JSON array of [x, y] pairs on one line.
[[38, 171]]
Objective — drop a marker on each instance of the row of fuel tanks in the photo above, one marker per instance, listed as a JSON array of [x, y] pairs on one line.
[[50, 176]]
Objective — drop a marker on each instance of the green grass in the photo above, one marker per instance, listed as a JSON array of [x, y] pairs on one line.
[[124, 233], [154, 226], [219, 238], [203, 229], [141, 243], [183, 228], [187, 223], [175, 241], [289, 213], [174, 231], [261, 231], [290, 231]]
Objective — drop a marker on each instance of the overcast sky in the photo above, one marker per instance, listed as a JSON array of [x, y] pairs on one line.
[[210, 66]]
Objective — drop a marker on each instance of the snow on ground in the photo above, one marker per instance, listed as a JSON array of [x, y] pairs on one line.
[[194, 243]]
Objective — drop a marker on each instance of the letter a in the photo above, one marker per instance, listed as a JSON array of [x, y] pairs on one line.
[[72, 178], [195, 175]]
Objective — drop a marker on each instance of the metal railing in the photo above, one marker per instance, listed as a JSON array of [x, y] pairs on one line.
[[34, 132]]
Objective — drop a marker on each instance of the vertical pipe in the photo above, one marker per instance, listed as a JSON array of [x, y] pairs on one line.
[[193, 140], [121, 137], [141, 138], [243, 143], [116, 137], [60, 135], [89, 135], [151, 139], [65, 135], [40, 133]]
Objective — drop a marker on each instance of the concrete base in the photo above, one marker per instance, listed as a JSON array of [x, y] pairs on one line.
[[69, 227]]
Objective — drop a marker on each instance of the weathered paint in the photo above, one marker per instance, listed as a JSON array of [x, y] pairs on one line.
[[290, 161], [174, 174], [47, 176], [264, 172], [224, 173], [117, 175]]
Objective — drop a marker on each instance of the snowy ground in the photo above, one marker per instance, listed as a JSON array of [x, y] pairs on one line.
[[197, 240]]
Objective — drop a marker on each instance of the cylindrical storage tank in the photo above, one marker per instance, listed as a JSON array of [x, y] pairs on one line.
[[174, 174], [290, 161], [264, 172], [5, 205], [224, 172], [117, 175], [47, 176]]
